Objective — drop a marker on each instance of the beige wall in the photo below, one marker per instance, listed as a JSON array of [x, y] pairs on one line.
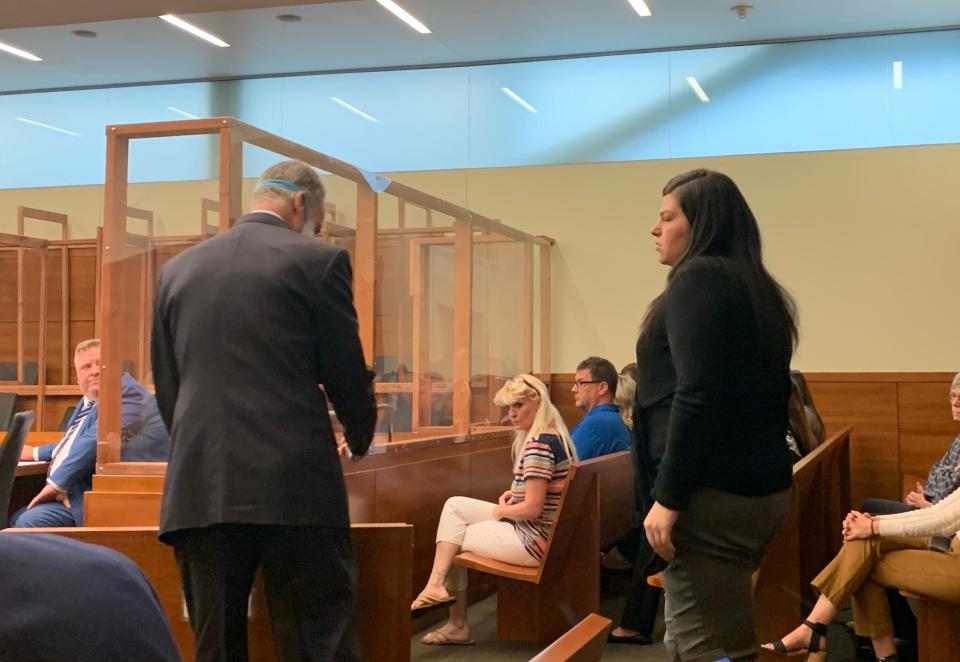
[[866, 240]]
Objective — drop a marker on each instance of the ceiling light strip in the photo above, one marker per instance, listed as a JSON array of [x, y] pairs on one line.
[[353, 109], [640, 7], [695, 86], [19, 52], [404, 16], [47, 126], [520, 100], [194, 30], [176, 110], [898, 74]]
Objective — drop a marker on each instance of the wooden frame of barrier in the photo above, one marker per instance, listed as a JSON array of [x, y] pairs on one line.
[[231, 134], [22, 244]]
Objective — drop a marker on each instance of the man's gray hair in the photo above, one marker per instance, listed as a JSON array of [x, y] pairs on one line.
[[956, 381], [84, 345], [300, 174]]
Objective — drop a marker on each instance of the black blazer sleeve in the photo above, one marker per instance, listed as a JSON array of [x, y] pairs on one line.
[[344, 373]]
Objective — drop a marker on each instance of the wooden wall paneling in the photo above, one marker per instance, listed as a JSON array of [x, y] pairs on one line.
[[54, 407], [871, 408], [562, 397], [927, 427], [361, 495], [415, 493], [121, 509], [491, 472]]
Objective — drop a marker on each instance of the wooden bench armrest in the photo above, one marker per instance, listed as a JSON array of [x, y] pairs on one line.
[[499, 568]]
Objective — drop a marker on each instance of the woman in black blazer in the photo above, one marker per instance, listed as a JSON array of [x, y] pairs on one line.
[[714, 355]]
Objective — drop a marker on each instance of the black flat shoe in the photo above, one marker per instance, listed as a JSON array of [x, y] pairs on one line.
[[634, 639], [818, 632]]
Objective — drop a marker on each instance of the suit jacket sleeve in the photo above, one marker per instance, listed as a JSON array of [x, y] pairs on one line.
[[82, 460], [343, 371], [166, 376], [45, 452]]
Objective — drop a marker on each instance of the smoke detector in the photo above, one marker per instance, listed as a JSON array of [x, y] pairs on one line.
[[742, 11]]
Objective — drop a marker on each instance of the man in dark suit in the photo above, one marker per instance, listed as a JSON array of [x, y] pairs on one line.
[[67, 600], [246, 326], [73, 459]]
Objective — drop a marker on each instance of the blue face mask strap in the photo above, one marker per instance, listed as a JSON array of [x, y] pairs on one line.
[[282, 183]]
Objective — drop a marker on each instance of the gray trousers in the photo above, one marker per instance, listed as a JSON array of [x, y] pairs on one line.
[[720, 540]]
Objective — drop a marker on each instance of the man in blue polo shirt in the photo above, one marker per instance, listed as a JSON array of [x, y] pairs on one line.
[[601, 430]]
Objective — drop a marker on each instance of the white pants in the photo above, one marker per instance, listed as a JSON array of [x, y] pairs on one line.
[[469, 524]]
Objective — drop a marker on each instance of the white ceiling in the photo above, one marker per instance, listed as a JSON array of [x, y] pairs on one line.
[[356, 34]]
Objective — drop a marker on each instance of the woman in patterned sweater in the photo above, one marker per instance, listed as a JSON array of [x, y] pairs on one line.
[[891, 551], [515, 529]]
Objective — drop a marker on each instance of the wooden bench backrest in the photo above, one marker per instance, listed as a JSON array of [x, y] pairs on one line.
[[597, 498], [578, 499], [584, 642], [384, 555]]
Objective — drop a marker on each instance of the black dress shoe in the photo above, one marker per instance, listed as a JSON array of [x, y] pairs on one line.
[[635, 639]]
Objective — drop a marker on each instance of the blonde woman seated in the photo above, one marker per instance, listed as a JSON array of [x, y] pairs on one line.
[[886, 551], [515, 529]]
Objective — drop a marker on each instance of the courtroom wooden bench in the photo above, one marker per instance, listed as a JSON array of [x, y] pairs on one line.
[[543, 602], [384, 563], [938, 628], [584, 642]]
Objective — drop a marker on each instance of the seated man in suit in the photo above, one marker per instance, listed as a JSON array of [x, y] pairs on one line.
[[119, 617], [73, 459], [601, 430]]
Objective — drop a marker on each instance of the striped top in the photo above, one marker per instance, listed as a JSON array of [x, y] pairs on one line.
[[940, 519], [543, 457]]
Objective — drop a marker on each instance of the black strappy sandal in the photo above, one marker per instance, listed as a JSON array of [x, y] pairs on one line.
[[818, 632]]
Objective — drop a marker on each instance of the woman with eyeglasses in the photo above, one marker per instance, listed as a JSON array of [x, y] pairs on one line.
[[514, 529], [714, 354]]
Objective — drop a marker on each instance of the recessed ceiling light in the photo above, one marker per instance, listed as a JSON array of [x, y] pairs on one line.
[[898, 74], [174, 109], [404, 16], [47, 126], [289, 18], [194, 30], [353, 109], [13, 50], [86, 34], [695, 86], [520, 100], [640, 7]]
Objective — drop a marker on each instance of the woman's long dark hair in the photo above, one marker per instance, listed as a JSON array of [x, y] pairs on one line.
[[723, 226]]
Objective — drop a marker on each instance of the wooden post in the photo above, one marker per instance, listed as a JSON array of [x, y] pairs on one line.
[[526, 309], [545, 310], [65, 315], [364, 290], [231, 177], [42, 342], [112, 298], [420, 333], [462, 322]]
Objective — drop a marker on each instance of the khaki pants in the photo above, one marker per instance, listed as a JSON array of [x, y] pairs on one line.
[[469, 524], [863, 568]]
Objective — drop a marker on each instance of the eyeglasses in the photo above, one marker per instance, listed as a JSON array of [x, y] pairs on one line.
[[580, 382], [955, 397]]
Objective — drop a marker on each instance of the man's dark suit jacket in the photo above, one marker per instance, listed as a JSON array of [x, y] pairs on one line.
[[246, 325], [62, 599]]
